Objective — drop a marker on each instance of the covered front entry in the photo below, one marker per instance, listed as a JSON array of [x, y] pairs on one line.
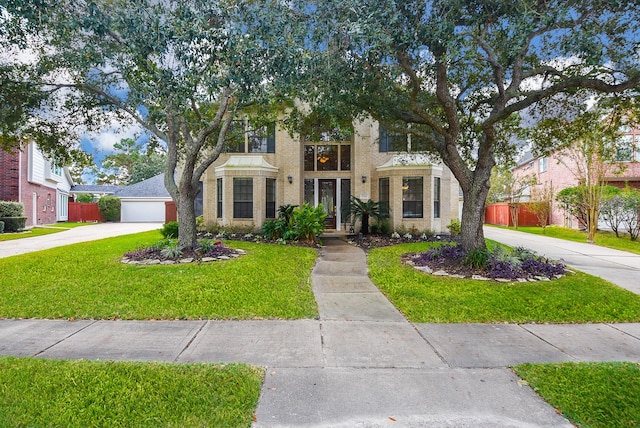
[[327, 197]]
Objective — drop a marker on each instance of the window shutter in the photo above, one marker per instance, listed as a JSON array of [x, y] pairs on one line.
[[384, 139], [271, 138]]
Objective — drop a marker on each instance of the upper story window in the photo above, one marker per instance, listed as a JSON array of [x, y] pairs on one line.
[[245, 136], [327, 157], [542, 164], [398, 142], [624, 148]]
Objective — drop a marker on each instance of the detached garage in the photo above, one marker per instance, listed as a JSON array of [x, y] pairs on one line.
[[144, 201]]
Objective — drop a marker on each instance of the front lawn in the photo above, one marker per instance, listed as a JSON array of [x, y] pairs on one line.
[[603, 238], [575, 298], [87, 280], [594, 395], [52, 393]]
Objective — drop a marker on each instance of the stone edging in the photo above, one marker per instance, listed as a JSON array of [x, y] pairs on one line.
[[428, 270], [238, 253]]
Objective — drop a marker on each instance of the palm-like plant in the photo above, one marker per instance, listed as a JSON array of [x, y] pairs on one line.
[[364, 211]]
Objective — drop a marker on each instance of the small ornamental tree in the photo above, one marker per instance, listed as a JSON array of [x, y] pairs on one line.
[[542, 204]]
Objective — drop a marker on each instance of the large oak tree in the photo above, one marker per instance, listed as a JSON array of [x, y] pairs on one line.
[[458, 73], [179, 68]]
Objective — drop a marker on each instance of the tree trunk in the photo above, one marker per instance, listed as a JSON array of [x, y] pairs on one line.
[[471, 233], [187, 233], [365, 224]]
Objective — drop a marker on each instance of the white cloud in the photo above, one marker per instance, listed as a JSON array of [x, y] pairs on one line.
[[105, 139]]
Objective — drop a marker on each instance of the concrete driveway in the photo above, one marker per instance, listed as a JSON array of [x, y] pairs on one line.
[[619, 267], [72, 236]]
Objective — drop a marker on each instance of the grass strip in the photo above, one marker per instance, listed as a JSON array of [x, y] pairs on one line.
[[575, 298], [594, 395], [87, 280], [53, 393], [603, 238]]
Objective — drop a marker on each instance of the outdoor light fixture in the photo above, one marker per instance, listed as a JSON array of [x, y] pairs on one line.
[[364, 178], [290, 179]]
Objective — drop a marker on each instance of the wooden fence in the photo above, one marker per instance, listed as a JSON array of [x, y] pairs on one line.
[[83, 212], [500, 214]]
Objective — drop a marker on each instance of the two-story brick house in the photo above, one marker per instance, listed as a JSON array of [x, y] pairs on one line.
[[559, 170], [267, 167], [27, 176]]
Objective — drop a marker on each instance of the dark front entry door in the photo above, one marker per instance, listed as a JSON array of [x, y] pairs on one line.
[[327, 198]]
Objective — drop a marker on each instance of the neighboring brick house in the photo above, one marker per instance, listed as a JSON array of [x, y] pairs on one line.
[[27, 176], [267, 167], [559, 171]]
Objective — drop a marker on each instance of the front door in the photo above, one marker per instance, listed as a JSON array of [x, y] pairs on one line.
[[327, 198]]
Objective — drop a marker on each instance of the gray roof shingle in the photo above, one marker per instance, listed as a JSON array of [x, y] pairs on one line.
[[150, 188]]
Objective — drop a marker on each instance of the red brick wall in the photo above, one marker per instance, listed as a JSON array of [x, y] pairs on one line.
[[9, 176]]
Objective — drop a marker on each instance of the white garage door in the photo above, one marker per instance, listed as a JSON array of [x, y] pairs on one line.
[[142, 211]]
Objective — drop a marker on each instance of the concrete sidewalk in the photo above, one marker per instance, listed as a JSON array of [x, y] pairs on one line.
[[619, 267], [72, 236], [360, 364]]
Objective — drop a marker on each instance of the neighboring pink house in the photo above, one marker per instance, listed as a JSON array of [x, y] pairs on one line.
[[559, 171], [27, 176]]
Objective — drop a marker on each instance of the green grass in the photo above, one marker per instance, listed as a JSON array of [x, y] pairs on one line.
[[603, 238], [51, 393], [575, 298], [594, 395], [39, 231], [87, 280]]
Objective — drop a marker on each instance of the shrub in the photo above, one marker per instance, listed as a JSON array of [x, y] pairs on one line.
[[170, 230], [11, 209], [478, 259], [14, 224], [308, 222], [84, 198], [1, 226], [455, 227], [109, 207]]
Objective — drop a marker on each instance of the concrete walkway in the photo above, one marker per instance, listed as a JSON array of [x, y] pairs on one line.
[[361, 364]]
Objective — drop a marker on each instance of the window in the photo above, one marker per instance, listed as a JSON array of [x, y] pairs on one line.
[[219, 197], [271, 198], [383, 196], [412, 197], [436, 197], [392, 141], [262, 139], [345, 199], [309, 191], [345, 157], [637, 147], [542, 164], [242, 198], [245, 137], [624, 148], [327, 157]]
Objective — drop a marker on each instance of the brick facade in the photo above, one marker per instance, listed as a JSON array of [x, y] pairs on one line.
[[9, 176], [559, 171], [367, 165], [25, 176]]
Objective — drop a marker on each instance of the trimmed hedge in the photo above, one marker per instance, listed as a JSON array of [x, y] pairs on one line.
[[1, 226], [11, 209], [14, 224]]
